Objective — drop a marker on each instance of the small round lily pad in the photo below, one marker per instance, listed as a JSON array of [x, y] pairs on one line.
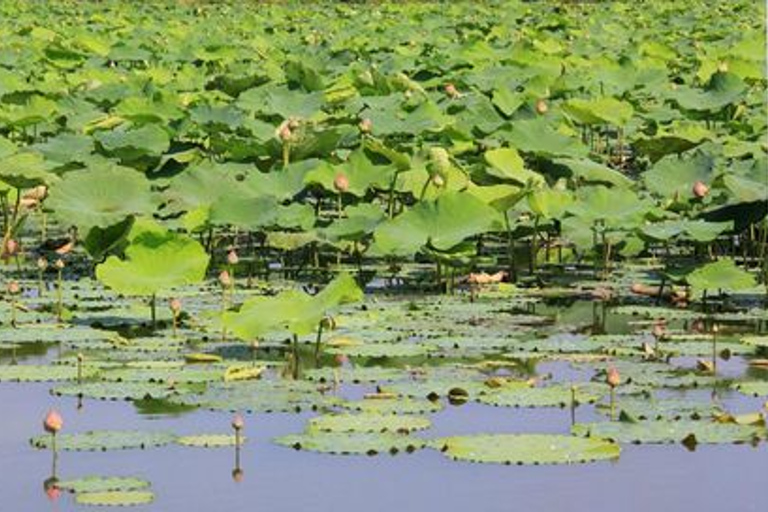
[[343, 443], [115, 498]]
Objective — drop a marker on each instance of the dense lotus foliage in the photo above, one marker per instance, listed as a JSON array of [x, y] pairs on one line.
[[374, 212]]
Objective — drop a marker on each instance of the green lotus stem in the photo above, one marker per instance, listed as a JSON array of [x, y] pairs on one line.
[[295, 368], [13, 311], [510, 249], [534, 245], [153, 309], [391, 198], [59, 296], [715, 330], [175, 323], [574, 404], [318, 340], [613, 403], [286, 155]]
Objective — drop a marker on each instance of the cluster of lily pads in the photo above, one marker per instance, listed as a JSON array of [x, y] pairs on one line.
[[246, 174]]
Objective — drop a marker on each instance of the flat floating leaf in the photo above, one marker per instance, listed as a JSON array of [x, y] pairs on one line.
[[522, 395], [103, 440], [368, 422], [526, 449], [114, 390], [344, 443], [209, 440], [115, 498], [659, 432], [756, 388], [92, 484], [393, 406]]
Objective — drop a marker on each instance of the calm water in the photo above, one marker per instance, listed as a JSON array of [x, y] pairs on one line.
[[729, 478]]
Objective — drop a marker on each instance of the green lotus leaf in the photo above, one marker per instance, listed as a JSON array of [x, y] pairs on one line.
[[130, 144], [673, 176], [754, 388], [360, 172], [115, 498], [526, 449], [599, 111], [442, 224], [549, 203], [393, 350], [209, 440], [115, 390], [344, 443], [155, 262], [642, 408], [392, 406], [537, 136], [25, 170], [506, 164], [103, 484], [104, 440], [593, 172], [100, 198], [520, 394], [615, 207], [722, 89], [355, 375], [655, 432], [66, 148], [367, 423], [677, 138], [756, 341], [723, 274], [42, 373]]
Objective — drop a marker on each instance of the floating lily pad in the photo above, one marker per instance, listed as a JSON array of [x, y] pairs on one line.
[[369, 422], [42, 373], [344, 443], [754, 388], [115, 498], [393, 406], [209, 440], [103, 484], [103, 440], [115, 391], [523, 395], [526, 449], [706, 432]]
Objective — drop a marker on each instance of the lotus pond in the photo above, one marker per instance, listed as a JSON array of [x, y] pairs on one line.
[[382, 256]]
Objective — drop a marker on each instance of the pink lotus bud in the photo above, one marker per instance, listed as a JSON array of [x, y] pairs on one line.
[[237, 422], [175, 305], [232, 257], [53, 492], [658, 330], [13, 288], [700, 189], [225, 279], [59, 264], [613, 378], [451, 90], [238, 475], [42, 263], [438, 180], [11, 247], [53, 422], [284, 133], [341, 182], [366, 125], [541, 106], [341, 359]]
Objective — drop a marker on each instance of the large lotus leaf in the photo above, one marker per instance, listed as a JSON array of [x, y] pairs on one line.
[[442, 224], [593, 172], [149, 140], [66, 148], [204, 183], [537, 136], [115, 498], [674, 176], [356, 374], [103, 440], [754, 388], [527, 449], [291, 310], [155, 262], [382, 350], [697, 230], [706, 432], [25, 170], [115, 390], [642, 408], [209, 440], [165, 375], [506, 164], [427, 117], [613, 206], [756, 341], [100, 197], [66, 335], [42, 373], [721, 90], [549, 203], [102, 484], [677, 138], [370, 422], [358, 221], [385, 405], [344, 443], [282, 184], [723, 274], [281, 101], [360, 172], [599, 111], [255, 213], [522, 395], [260, 396]]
